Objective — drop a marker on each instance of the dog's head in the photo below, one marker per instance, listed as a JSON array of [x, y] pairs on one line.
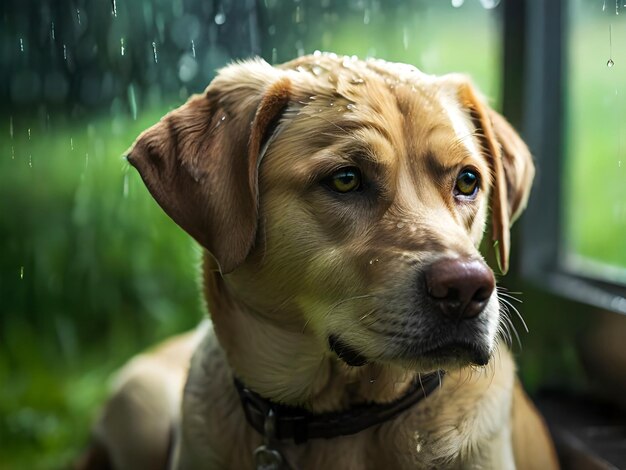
[[348, 199]]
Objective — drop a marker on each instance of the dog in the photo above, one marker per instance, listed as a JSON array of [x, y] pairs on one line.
[[354, 323]]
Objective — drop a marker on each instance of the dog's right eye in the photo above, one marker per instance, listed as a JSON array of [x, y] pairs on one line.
[[345, 180]]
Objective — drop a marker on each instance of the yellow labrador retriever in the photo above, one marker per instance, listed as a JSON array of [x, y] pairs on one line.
[[355, 324]]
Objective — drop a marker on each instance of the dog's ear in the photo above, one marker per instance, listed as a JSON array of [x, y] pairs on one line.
[[200, 162], [511, 165]]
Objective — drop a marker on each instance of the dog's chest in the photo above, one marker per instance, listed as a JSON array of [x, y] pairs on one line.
[[445, 431]]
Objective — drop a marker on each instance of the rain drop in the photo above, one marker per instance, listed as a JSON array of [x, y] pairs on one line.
[[52, 31], [457, 3], [64, 52], [132, 100], [11, 127], [193, 49], [604, 6], [71, 143], [220, 18], [274, 55], [610, 62], [114, 5], [21, 272], [21, 45], [122, 49], [125, 186], [29, 133], [366, 16], [30, 160], [12, 153], [154, 52], [405, 38], [78, 15]]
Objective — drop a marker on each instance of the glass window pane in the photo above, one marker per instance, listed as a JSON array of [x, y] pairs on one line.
[[595, 143]]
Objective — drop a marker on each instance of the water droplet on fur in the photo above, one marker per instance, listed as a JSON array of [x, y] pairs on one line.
[[350, 107], [317, 70], [357, 81], [400, 224]]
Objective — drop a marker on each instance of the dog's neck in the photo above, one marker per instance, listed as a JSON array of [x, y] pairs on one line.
[[292, 366]]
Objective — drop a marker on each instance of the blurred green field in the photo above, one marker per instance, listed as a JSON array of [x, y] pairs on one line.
[[92, 271]]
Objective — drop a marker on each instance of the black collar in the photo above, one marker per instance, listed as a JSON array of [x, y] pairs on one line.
[[296, 423]]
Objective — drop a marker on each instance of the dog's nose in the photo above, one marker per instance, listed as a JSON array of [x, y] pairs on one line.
[[460, 287]]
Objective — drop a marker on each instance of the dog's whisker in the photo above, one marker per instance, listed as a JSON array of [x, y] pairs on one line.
[[519, 315]]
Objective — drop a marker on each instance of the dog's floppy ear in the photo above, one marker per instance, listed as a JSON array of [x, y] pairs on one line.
[[511, 165], [200, 162]]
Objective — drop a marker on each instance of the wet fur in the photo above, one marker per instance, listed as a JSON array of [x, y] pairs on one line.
[[288, 263]]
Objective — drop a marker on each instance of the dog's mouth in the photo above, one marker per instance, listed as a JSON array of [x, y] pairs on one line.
[[453, 352], [346, 353]]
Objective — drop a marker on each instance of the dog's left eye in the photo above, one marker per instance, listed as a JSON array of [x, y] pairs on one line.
[[345, 180], [466, 183]]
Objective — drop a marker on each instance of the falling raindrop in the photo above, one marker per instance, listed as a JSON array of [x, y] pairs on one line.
[[617, 7], [11, 127], [52, 31], [610, 62], [366, 16], [132, 101], [29, 133], [193, 49], [125, 186], [457, 3], [220, 18], [30, 160], [604, 6], [114, 5], [64, 52], [21, 272], [122, 50], [78, 15], [21, 45], [154, 52], [274, 55], [12, 153], [86, 160], [71, 143], [405, 38]]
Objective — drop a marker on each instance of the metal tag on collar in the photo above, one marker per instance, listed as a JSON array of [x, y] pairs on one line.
[[266, 456]]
